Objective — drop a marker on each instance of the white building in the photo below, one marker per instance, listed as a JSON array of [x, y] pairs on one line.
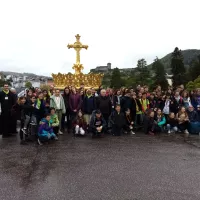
[[169, 79], [1, 76]]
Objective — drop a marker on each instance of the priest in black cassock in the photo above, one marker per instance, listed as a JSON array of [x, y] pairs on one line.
[[7, 101]]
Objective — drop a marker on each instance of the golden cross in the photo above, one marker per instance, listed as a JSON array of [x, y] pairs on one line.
[[77, 46]]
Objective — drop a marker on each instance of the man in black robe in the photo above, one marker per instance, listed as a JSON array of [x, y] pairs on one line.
[[7, 100]]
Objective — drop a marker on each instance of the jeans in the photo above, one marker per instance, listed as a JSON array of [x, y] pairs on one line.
[[172, 128], [29, 119]]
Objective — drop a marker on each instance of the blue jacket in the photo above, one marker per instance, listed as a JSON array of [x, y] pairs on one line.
[[193, 116], [45, 128], [162, 122], [89, 104]]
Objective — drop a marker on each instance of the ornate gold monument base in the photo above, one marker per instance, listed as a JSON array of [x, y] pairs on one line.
[[77, 79], [89, 80]]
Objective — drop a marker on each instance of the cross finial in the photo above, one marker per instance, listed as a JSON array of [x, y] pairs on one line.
[[77, 37], [77, 46]]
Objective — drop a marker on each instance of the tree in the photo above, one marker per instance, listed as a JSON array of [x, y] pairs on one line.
[[177, 68], [116, 80], [190, 86], [159, 77], [194, 70], [45, 87], [143, 71], [193, 84], [130, 80], [28, 84], [106, 79]]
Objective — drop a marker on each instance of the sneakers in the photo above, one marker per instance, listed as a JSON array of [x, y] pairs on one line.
[[169, 132], [186, 133], [132, 133], [151, 133], [24, 130], [33, 124], [39, 142], [60, 133], [173, 132], [56, 138]]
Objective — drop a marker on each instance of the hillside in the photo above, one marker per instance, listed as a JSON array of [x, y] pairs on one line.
[[23, 74], [189, 55]]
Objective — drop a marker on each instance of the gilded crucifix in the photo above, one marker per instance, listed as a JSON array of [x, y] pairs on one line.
[[77, 46]]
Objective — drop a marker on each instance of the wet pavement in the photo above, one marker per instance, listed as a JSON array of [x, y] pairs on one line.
[[119, 168]]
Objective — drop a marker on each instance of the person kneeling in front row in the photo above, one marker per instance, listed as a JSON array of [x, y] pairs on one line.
[[97, 124], [117, 121], [80, 124], [45, 132], [172, 124]]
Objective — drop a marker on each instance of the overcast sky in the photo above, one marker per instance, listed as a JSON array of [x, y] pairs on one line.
[[34, 33]]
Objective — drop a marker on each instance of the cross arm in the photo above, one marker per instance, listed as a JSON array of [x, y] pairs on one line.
[[84, 46], [70, 46]]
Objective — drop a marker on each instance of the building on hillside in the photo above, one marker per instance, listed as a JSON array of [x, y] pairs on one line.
[[2, 77], [169, 79], [126, 70], [102, 69]]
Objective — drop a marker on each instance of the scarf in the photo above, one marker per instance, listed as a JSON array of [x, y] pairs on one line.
[[137, 107], [38, 103], [6, 92], [89, 95]]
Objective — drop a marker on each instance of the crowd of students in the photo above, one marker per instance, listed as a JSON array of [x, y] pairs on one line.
[[116, 112]]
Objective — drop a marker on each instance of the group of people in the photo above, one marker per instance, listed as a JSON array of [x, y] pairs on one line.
[[101, 111]]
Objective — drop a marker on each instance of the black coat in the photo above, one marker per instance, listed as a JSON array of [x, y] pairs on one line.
[[115, 101], [17, 112], [136, 103], [7, 101], [117, 119], [66, 100], [126, 103], [104, 104], [172, 122], [148, 124], [160, 103], [175, 106], [28, 108]]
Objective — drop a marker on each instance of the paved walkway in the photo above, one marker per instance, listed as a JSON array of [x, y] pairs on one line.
[[119, 168]]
